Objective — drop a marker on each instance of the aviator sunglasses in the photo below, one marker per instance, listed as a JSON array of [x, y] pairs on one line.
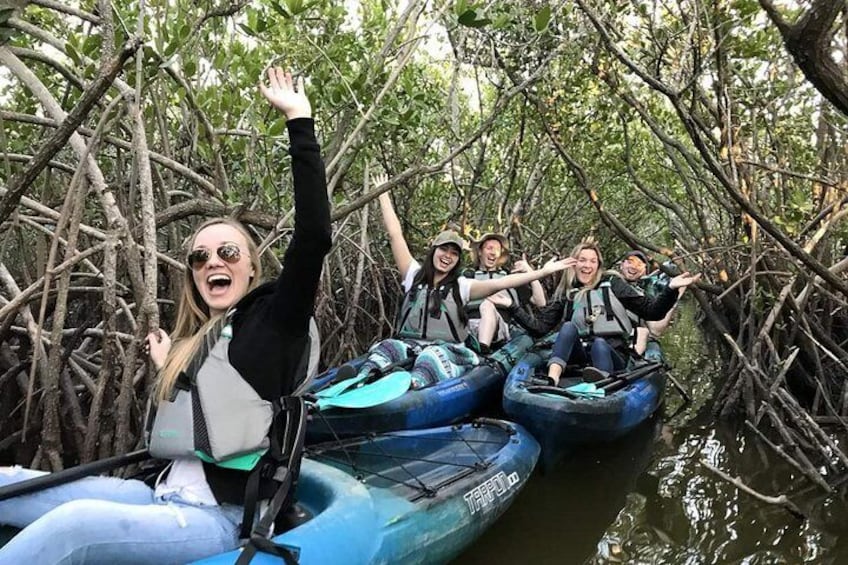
[[228, 252]]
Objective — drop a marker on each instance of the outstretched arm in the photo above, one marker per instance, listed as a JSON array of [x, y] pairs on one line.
[[484, 288], [537, 298], [400, 250], [294, 297]]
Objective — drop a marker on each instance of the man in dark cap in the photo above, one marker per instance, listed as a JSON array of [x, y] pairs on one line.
[[634, 269]]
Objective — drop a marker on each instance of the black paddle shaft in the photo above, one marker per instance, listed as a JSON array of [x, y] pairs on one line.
[[615, 382], [72, 474], [380, 372]]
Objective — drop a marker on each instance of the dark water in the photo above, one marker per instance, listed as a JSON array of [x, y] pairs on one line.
[[648, 499]]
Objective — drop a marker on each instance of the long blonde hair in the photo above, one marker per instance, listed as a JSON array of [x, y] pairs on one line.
[[567, 283], [193, 319]]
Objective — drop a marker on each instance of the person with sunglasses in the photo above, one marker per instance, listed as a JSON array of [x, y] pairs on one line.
[[433, 325], [196, 508], [634, 269]]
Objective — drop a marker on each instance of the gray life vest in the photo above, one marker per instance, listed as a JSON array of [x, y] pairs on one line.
[[215, 416], [472, 307], [600, 313], [418, 321]]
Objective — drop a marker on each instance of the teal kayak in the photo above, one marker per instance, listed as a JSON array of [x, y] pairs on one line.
[[406, 497], [443, 403]]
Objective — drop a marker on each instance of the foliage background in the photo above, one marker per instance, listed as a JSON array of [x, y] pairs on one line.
[[683, 128]]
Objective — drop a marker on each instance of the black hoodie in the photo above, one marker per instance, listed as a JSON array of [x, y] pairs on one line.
[[271, 323]]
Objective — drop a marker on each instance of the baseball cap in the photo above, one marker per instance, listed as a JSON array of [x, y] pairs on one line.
[[450, 236], [636, 253]]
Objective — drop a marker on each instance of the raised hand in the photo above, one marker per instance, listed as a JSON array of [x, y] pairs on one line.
[[379, 179], [501, 298], [522, 266], [158, 345], [284, 95], [556, 265], [683, 280]]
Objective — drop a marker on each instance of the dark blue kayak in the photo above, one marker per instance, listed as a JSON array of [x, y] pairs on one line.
[[445, 402], [559, 423], [407, 497]]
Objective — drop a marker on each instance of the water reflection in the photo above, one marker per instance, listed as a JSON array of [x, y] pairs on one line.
[[690, 515], [560, 516], [647, 498]]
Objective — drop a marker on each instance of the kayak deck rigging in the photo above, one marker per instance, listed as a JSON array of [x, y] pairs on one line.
[[440, 459]]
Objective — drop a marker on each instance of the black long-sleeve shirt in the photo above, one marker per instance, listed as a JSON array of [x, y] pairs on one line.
[[271, 323], [558, 311]]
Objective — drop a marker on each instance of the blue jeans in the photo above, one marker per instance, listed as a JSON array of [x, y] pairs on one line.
[[568, 347], [109, 520]]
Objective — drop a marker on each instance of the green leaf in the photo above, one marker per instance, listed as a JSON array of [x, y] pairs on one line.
[[461, 7], [278, 127], [73, 53], [543, 18], [295, 6], [280, 10], [469, 19], [91, 45], [189, 68], [170, 49], [500, 21]]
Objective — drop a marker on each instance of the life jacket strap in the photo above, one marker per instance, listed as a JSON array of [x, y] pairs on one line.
[[287, 438]]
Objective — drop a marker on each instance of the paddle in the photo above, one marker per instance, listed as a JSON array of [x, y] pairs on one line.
[[624, 378], [615, 381], [352, 380], [373, 394], [72, 474]]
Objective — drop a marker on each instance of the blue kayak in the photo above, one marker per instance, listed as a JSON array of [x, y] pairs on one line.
[[408, 497], [559, 423], [445, 402]]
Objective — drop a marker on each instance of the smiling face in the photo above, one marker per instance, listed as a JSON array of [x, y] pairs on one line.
[[587, 266], [221, 283], [445, 258], [490, 252], [632, 269]]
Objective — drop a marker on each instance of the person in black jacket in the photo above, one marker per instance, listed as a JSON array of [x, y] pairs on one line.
[[580, 307], [196, 508]]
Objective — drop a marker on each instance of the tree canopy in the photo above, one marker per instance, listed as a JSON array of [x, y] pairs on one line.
[[684, 128]]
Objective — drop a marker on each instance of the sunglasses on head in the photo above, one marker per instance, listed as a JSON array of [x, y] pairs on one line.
[[228, 252]]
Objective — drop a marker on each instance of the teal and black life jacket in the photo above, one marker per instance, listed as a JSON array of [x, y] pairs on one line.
[[432, 314], [472, 307], [600, 313], [216, 416]]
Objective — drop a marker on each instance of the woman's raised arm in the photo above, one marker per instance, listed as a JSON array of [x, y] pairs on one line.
[[400, 250]]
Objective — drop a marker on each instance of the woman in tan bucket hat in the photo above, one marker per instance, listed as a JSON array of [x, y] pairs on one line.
[[490, 322]]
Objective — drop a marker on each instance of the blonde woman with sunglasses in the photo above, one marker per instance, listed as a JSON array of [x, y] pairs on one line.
[[196, 508]]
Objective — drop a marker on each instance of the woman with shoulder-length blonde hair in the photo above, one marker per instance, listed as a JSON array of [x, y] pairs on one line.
[[194, 315], [591, 312], [224, 392]]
